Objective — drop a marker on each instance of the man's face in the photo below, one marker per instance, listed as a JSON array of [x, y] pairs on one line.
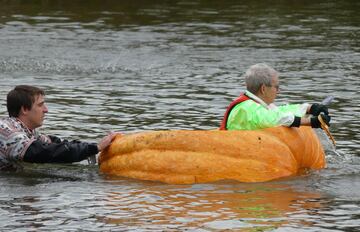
[[272, 91], [35, 116]]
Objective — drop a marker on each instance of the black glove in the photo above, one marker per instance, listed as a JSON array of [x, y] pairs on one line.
[[316, 109], [315, 123], [296, 122]]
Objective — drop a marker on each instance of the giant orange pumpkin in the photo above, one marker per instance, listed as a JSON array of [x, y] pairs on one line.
[[186, 157]]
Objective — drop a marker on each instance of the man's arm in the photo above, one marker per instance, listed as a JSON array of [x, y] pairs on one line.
[[314, 121], [59, 152], [63, 151]]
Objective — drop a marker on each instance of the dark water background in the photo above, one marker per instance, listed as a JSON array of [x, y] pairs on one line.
[[152, 65]]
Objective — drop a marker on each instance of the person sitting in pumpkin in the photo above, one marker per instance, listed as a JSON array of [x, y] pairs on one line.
[[255, 109]]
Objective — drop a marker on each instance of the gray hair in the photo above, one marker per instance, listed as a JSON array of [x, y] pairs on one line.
[[257, 75]]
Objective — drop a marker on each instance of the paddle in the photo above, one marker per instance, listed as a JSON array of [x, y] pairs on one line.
[[327, 100], [324, 126]]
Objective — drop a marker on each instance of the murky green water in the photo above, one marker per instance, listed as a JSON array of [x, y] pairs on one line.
[[151, 65]]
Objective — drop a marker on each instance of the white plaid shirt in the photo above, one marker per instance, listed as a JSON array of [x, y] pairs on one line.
[[15, 138]]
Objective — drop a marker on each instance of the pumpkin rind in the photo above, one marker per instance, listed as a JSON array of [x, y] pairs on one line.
[[186, 157]]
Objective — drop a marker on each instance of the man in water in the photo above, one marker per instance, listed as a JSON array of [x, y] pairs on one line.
[[255, 109], [21, 142]]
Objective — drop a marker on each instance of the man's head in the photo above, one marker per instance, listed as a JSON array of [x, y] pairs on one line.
[[27, 103], [263, 81]]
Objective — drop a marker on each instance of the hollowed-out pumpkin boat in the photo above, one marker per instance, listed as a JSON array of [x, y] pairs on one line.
[[186, 157]]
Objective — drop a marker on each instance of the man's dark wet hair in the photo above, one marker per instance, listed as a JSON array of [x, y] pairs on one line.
[[21, 96]]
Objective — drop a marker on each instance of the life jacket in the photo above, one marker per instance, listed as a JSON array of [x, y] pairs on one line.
[[238, 100]]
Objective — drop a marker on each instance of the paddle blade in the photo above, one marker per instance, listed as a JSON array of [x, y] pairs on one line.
[[327, 100]]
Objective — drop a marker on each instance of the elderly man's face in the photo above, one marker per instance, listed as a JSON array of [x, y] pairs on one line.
[[272, 90]]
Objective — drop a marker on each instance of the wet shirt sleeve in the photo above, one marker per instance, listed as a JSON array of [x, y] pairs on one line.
[[59, 151]]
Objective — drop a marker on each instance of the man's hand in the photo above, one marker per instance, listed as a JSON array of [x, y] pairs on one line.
[[316, 109], [106, 141], [315, 123]]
